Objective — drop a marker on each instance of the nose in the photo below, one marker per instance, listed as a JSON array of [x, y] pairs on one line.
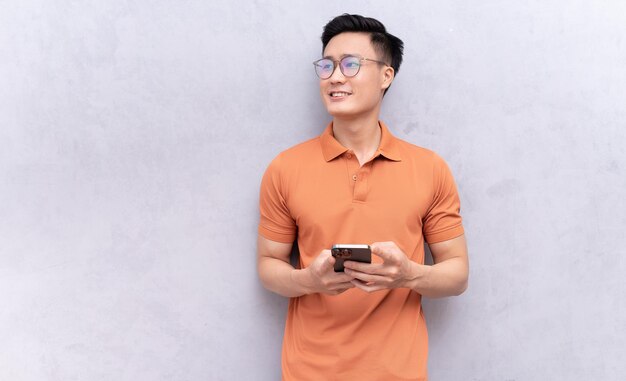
[[337, 76]]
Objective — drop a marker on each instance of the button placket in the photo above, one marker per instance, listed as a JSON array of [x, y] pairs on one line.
[[352, 166], [360, 186]]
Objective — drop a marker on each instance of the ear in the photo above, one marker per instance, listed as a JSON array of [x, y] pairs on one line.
[[388, 76]]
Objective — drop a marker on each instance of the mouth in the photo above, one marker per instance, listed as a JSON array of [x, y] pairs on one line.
[[339, 94]]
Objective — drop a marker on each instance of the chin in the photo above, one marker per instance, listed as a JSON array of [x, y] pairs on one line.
[[339, 112], [341, 115], [349, 110]]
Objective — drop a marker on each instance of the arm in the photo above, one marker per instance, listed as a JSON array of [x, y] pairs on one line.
[[448, 275], [275, 271], [277, 274]]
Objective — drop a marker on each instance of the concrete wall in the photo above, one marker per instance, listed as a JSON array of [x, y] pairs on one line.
[[134, 136]]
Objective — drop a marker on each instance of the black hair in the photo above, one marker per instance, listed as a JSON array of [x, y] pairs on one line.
[[387, 46]]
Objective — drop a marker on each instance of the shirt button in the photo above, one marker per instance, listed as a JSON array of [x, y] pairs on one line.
[[349, 156], [354, 177]]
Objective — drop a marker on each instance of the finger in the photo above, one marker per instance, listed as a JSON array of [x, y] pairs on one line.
[[342, 286], [368, 268], [329, 263], [382, 252], [339, 288], [367, 277], [387, 251], [366, 287], [342, 277], [357, 281], [346, 288], [337, 292]]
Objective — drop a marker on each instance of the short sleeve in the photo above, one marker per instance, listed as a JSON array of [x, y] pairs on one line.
[[443, 219], [275, 221]]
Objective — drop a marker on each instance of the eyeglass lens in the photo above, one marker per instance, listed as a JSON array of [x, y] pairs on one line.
[[349, 67]]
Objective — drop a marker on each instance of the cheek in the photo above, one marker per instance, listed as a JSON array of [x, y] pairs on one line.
[[369, 89], [323, 88]]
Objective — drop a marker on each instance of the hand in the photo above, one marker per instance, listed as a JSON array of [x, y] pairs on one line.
[[394, 272], [321, 276]]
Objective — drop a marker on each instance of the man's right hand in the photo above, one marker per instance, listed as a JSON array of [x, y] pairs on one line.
[[321, 277]]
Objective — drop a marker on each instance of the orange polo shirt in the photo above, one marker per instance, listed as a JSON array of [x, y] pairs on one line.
[[318, 192]]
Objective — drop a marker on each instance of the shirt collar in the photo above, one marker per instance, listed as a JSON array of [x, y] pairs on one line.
[[388, 147]]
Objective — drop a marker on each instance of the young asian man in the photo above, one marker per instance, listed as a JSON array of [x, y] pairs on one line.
[[357, 183]]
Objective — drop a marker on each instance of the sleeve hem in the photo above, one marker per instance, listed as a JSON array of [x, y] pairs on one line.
[[276, 236], [445, 235]]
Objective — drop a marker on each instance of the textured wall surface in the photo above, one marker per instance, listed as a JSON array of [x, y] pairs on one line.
[[134, 136]]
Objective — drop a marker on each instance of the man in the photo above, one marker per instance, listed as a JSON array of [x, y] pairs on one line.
[[357, 184]]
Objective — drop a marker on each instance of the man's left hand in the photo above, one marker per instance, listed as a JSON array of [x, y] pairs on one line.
[[394, 272]]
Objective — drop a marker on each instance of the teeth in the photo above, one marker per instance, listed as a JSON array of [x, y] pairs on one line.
[[339, 94]]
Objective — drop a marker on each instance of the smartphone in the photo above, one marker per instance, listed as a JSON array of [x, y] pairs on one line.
[[358, 253]]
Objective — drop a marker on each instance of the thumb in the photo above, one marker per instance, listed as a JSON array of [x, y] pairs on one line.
[[329, 262], [381, 251]]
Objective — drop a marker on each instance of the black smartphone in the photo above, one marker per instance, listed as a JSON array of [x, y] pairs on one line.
[[358, 253]]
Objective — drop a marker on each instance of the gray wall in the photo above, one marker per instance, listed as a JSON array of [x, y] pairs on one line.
[[134, 136]]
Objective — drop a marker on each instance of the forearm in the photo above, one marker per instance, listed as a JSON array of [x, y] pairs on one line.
[[447, 278], [281, 278]]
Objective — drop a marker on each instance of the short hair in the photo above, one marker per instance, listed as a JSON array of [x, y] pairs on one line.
[[387, 46]]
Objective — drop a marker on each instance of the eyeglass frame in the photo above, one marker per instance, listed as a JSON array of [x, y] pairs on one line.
[[338, 63]]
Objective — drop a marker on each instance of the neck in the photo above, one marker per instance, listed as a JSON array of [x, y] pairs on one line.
[[361, 135]]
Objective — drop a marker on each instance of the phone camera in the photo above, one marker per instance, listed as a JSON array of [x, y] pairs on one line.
[[342, 253]]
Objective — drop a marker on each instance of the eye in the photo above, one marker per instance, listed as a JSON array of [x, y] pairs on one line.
[[324, 64], [351, 63]]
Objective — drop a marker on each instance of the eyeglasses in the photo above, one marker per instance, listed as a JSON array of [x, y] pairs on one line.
[[349, 66]]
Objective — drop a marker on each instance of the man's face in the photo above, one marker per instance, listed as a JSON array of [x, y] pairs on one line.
[[348, 97]]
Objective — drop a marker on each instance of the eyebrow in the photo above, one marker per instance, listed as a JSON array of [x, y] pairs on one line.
[[344, 55]]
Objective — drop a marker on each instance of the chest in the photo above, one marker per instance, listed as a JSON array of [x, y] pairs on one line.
[[382, 193]]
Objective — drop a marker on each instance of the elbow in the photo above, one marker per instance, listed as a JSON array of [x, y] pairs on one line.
[[262, 281], [261, 274], [266, 284], [462, 281], [461, 287]]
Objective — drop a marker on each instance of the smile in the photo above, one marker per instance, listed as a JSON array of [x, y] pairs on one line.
[[336, 94]]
